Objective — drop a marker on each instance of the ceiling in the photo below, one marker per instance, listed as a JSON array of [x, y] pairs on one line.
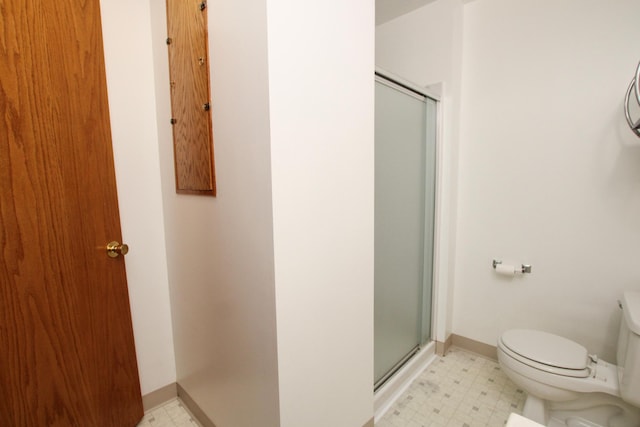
[[386, 10]]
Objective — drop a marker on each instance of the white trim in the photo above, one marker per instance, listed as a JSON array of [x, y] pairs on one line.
[[438, 288], [433, 224], [401, 380]]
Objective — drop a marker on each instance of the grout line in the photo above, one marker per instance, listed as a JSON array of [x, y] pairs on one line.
[[462, 389]]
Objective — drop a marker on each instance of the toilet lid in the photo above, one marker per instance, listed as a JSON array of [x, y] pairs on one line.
[[546, 348]]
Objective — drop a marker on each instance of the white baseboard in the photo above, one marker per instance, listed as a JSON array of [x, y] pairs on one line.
[[392, 389]]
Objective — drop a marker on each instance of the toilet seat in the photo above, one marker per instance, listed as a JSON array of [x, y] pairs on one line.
[[546, 352]]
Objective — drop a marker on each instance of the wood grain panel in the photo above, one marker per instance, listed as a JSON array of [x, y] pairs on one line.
[[189, 73], [67, 355]]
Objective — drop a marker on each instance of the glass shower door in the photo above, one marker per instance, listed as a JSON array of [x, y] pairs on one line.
[[404, 200]]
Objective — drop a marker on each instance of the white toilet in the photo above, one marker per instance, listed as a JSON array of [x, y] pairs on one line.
[[567, 387]]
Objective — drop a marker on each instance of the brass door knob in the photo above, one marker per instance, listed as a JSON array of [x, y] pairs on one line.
[[114, 249]]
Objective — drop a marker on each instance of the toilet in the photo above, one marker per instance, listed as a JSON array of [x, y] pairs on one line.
[[566, 386]]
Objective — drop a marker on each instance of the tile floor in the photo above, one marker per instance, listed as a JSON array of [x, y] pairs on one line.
[[461, 389], [170, 414]]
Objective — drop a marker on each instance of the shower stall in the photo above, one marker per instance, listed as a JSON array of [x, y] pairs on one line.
[[405, 174]]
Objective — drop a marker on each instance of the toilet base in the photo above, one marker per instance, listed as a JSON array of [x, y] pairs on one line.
[[536, 410], [594, 410]]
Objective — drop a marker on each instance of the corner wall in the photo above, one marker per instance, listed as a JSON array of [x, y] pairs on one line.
[[220, 250], [219, 260], [549, 171]]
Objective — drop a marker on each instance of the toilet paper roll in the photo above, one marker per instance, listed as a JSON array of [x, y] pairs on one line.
[[505, 269]]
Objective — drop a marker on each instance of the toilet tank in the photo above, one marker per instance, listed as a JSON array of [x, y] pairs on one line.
[[628, 354]]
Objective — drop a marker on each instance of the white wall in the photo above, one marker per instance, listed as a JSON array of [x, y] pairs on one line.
[[549, 173], [129, 62], [321, 98], [220, 250], [425, 47], [420, 45], [220, 256]]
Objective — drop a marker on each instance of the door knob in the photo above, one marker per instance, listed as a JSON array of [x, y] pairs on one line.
[[114, 249]]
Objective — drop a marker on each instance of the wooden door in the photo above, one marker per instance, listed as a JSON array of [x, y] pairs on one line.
[[67, 354]]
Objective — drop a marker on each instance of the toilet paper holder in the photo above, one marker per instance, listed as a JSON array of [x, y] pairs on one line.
[[525, 268]]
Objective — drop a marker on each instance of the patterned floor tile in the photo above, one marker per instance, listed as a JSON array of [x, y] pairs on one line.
[[461, 389], [170, 414]]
